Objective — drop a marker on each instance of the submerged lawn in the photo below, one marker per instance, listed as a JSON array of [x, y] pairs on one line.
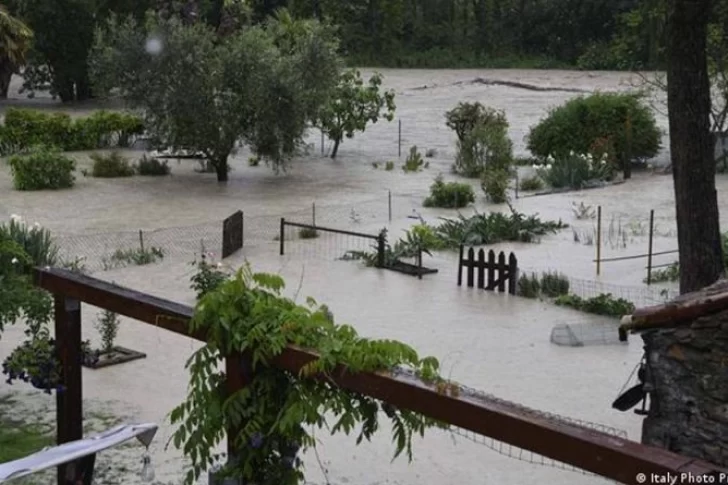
[[18, 438]]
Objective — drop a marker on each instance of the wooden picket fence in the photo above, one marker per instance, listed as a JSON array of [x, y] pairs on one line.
[[501, 271]]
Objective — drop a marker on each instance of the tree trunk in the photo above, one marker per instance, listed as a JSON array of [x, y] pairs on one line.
[[335, 150], [221, 169], [83, 88], [6, 74], [688, 101]]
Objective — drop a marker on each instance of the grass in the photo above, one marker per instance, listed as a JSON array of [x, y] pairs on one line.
[[18, 438]]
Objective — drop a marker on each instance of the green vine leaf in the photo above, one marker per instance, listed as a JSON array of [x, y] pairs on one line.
[[274, 416]]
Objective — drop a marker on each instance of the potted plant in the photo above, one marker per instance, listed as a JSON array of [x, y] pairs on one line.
[[36, 362]]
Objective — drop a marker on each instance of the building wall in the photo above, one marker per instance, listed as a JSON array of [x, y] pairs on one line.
[[688, 368]]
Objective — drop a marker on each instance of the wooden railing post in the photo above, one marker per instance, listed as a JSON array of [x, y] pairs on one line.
[[69, 397], [238, 369]]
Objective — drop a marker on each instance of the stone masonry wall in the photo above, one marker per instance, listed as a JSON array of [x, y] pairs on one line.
[[688, 370]]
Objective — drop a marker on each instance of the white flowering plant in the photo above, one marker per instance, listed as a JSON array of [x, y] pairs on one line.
[[575, 170]]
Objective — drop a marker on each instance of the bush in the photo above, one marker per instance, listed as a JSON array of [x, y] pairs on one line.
[[34, 240], [533, 182], [25, 128], [576, 171], [620, 120], [111, 165], [486, 146], [495, 184], [308, 233], [554, 284], [529, 286], [449, 195], [152, 166], [602, 304], [414, 162], [42, 168]]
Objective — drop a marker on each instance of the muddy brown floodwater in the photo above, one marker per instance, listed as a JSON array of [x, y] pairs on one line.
[[488, 341]]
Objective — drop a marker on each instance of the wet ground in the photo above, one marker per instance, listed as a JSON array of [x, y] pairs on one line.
[[488, 341]]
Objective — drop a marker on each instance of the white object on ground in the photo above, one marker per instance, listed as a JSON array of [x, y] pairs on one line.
[[67, 452]]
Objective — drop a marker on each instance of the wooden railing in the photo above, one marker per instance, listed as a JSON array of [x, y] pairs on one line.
[[606, 455]]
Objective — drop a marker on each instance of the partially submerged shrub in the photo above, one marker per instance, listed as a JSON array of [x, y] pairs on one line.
[[414, 162], [603, 304], [619, 122], [42, 168], [529, 286], [111, 165], [485, 146], [480, 229], [495, 184], [449, 195], [152, 166], [665, 275], [528, 184], [554, 284], [576, 171], [137, 256], [25, 128]]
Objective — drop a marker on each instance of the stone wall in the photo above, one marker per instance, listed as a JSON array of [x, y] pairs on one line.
[[688, 378]]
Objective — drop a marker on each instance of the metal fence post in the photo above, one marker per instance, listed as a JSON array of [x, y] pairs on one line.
[[381, 245]]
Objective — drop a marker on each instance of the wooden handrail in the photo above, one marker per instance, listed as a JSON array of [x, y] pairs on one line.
[[606, 455]]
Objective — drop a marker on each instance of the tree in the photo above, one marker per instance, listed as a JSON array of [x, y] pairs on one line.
[[15, 39], [691, 145], [353, 105], [208, 93]]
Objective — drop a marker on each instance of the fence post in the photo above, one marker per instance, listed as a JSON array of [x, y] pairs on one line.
[[471, 267], [141, 240], [242, 228], [322, 143], [649, 247], [599, 239], [399, 139], [389, 204], [381, 247], [481, 269], [460, 266], [512, 274], [282, 236], [313, 212], [516, 182], [502, 268], [69, 402], [419, 262]]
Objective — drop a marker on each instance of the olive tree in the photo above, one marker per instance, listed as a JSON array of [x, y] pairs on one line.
[[209, 93]]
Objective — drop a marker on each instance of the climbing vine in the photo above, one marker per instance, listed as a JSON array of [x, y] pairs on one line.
[[277, 412]]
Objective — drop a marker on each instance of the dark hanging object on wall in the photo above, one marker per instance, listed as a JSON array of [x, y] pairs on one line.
[[635, 394]]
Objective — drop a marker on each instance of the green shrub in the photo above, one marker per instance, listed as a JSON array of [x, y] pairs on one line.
[[621, 121], [152, 166], [603, 304], [414, 162], [533, 182], [24, 128], [42, 168], [495, 184], [104, 129], [529, 286], [449, 195], [389, 165], [554, 284], [485, 146], [111, 165], [575, 171]]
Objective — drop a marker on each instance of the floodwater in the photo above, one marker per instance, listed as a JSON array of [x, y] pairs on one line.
[[491, 342]]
